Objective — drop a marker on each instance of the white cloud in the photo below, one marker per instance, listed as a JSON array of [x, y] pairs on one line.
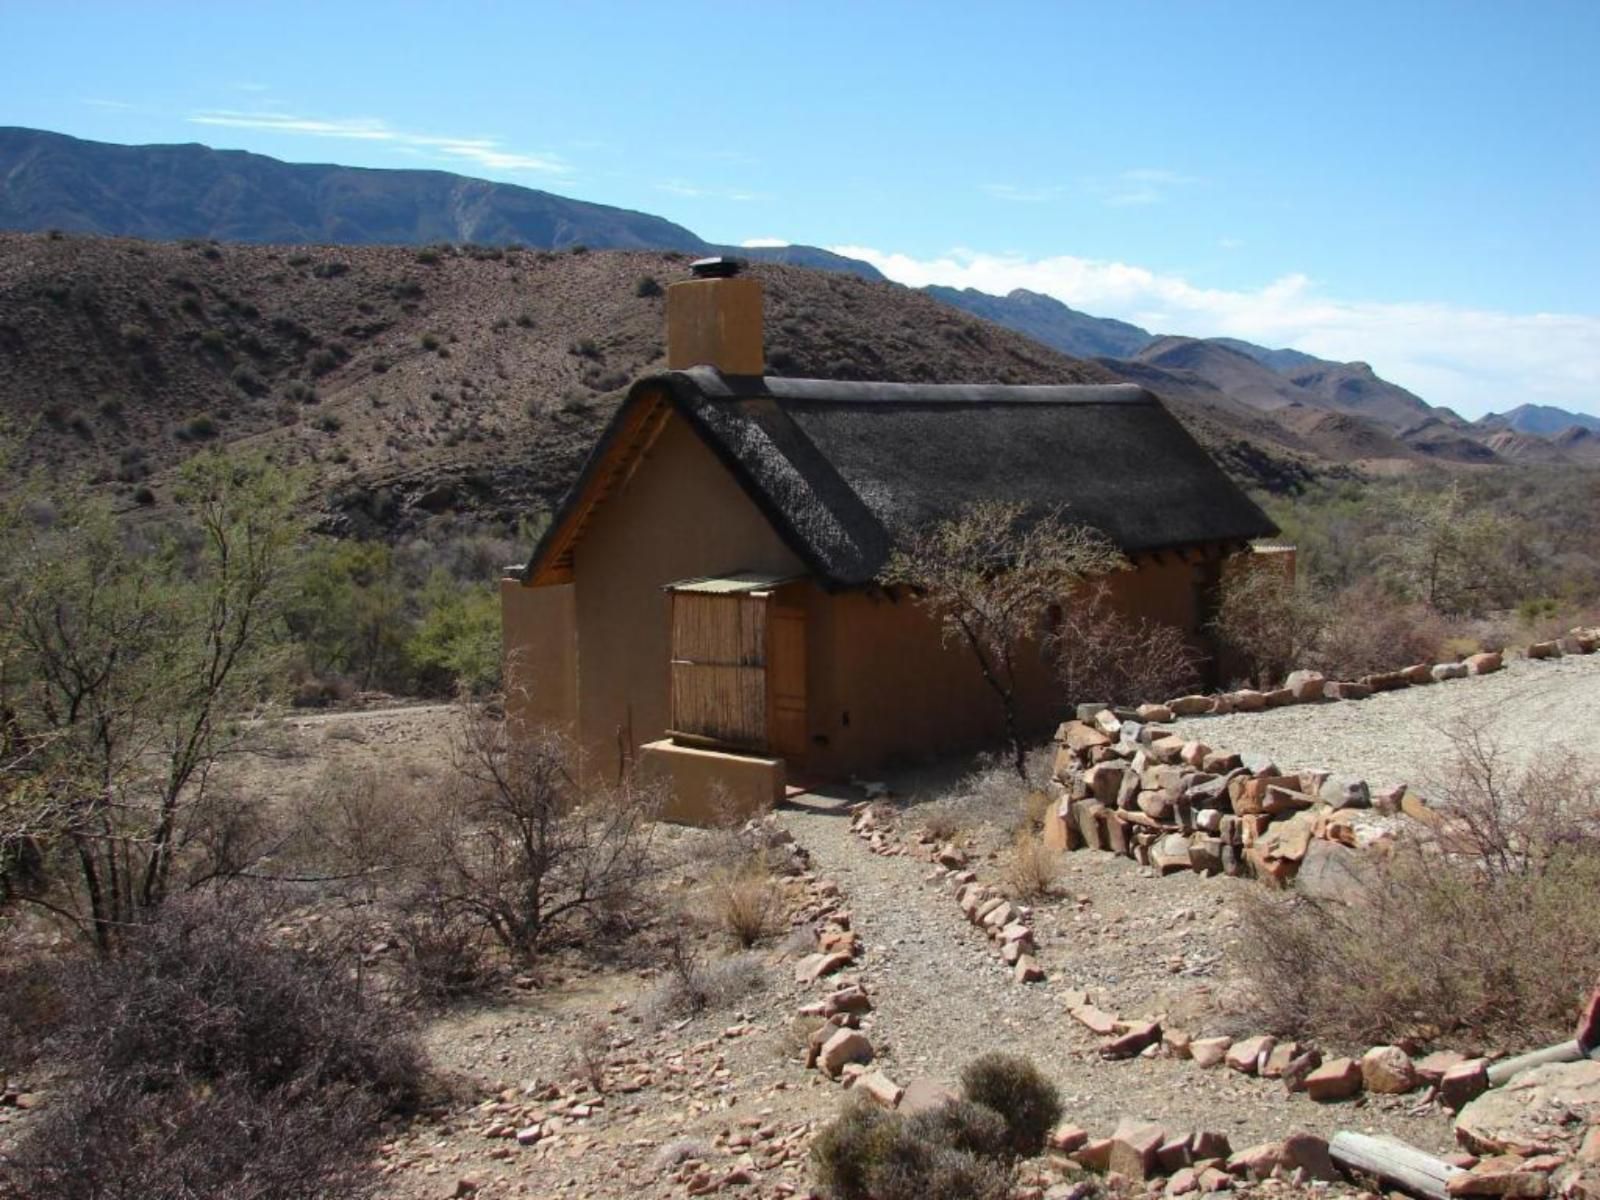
[[765, 243], [483, 151], [1474, 360]]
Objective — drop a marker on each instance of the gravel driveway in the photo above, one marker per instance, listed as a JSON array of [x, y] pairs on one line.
[[1528, 709]]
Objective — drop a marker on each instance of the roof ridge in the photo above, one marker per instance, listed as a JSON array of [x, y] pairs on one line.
[[713, 384]]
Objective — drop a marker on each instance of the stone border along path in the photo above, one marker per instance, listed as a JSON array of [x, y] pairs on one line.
[[941, 997], [1531, 708]]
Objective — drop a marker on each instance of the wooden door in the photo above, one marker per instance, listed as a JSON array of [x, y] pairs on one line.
[[787, 733], [719, 686]]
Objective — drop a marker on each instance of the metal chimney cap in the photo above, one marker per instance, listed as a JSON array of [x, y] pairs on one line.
[[723, 266]]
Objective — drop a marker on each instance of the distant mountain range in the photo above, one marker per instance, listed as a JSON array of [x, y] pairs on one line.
[[168, 193], [1340, 411], [1543, 419]]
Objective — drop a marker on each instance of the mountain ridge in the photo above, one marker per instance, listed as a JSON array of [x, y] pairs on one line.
[[193, 192]]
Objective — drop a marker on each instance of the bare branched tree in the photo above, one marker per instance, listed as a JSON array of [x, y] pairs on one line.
[[1106, 656], [1509, 822], [1267, 621], [989, 575], [523, 848]]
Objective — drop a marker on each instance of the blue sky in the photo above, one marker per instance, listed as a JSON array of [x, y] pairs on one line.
[[1414, 184]]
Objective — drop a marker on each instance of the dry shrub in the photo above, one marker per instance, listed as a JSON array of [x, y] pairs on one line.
[[1034, 807], [1486, 930], [1016, 1089], [690, 985], [521, 850], [1369, 631], [363, 824], [941, 821], [746, 903], [964, 1149], [1267, 624], [1103, 655], [963, 1125], [867, 1153], [444, 951], [1034, 868], [208, 1058], [589, 1055], [106, 1141]]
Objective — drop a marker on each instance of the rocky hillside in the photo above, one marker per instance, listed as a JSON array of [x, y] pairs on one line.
[[50, 182], [417, 381]]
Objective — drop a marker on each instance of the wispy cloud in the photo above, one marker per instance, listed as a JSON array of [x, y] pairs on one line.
[[97, 102], [768, 243], [1138, 186], [1472, 359], [695, 191], [1023, 194], [486, 152]]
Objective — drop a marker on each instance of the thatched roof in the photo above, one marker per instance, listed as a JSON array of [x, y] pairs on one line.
[[842, 470]]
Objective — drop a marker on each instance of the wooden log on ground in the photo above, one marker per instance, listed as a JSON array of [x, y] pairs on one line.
[[1394, 1162], [1508, 1069]]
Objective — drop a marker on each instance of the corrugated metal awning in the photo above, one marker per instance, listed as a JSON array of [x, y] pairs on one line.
[[737, 584]]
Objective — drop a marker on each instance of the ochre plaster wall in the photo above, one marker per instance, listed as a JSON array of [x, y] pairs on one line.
[[539, 634], [680, 515], [883, 687]]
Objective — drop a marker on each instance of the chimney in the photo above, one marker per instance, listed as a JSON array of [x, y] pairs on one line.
[[714, 319]]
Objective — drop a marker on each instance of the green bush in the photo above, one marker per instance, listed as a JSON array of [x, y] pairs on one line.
[[647, 287], [1013, 1087], [198, 429], [457, 641], [322, 361], [247, 381]]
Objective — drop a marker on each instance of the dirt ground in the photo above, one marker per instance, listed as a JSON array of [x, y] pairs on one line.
[[1531, 708], [722, 1101], [1141, 945]]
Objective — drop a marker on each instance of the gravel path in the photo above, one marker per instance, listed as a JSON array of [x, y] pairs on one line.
[[942, 997], [1528, 709]]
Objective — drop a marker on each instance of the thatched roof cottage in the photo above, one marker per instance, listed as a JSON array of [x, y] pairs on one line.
[[704, 603]]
